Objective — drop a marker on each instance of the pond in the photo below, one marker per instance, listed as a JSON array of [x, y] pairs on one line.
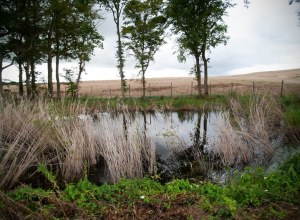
[[185, 144]]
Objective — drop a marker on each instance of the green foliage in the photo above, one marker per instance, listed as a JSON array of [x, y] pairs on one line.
[[42, 168], [166, 103], [257, 187], [84, 194], [252, 187], [199, 26], [292, 116], [247, 188], [72, 86], [143, 29], [178, 186], [291, 106], [31, 197]]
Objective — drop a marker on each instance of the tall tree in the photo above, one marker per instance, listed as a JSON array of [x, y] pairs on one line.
[[116, 7], [61, 28], [86, 37], [198, 25], [213, 31], [144, 29]]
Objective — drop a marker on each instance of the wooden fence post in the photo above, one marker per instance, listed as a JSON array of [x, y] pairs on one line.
[[281, 91], [253, 88], [171, 89]]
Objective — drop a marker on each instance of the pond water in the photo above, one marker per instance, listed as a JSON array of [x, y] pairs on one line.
[[185, 144]]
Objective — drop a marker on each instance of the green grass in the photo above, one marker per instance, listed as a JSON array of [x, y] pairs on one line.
[[291, 105], [156, 102], [252, 188]]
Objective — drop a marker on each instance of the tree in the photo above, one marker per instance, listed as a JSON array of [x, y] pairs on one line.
[[24, 29], [213, 31], [199, 26], [70, 34], [144, 29], [72, 86], [85, 38], [62, 28], [116, 7]]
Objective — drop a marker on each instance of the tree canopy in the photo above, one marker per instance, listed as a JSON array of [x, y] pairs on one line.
[[144, 29], [35, 31], [199, 26]]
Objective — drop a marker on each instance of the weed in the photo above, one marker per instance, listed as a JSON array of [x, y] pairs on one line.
[[49, 176], [253, 187]]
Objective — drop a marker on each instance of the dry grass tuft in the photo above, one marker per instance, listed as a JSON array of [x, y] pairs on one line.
[[249, 129], [65, 139]]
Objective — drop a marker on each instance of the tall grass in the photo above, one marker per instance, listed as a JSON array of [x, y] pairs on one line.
[[66, 140], [249, 129]]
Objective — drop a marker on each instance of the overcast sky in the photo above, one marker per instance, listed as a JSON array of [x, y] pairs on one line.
[[265, 36]]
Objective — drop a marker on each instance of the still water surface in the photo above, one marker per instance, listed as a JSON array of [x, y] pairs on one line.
[[185, 141]]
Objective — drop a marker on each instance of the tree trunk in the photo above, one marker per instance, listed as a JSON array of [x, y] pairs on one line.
[[1, 83], [205, 72], [120, 57], [144, 84], [33, 84], [28, 88], [49, 62], [81, 69], [198, 74], [21, 87], [57, 69]]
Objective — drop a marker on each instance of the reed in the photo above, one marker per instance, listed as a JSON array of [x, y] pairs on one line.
[[249, 129], [66, 139]]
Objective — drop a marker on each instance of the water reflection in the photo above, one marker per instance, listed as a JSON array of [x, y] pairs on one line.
[[184, 141], [180, 138]]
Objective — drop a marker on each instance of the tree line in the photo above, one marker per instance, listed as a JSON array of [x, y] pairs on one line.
[[33, 32]]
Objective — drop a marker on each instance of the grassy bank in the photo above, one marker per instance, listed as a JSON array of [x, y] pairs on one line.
[[176, 103], [291, 105], [252, 194]]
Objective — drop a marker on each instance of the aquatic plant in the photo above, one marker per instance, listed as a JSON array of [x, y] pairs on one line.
[[249, 129], [64, 138]]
